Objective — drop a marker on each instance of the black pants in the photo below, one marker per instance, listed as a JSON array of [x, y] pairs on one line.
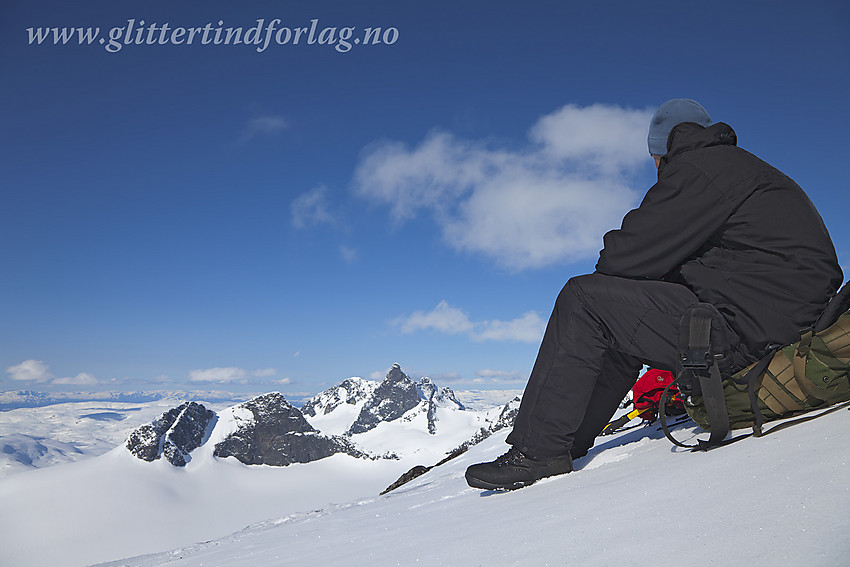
[[602, 331]]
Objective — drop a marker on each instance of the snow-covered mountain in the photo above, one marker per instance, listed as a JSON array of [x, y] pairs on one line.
[[393, 398], [268, 430], [352, 392], [52, 432], [359, 418], [173, 435], [356, 405]]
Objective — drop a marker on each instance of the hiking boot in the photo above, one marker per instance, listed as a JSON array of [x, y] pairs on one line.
[[515, 470]]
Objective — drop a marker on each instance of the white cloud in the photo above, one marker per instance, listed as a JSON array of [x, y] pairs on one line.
[[446, 377], [263, 125], [34, 370], [81, 379], [444, 318], [527, 329], [603, 135], [38, 371], [218, 374], [311, 208], [488, 375], [526, 208], [349, 255], [234, 374]]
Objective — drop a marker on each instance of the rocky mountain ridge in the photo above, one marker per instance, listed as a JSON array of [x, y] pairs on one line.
[[268, 430], [173, 435]]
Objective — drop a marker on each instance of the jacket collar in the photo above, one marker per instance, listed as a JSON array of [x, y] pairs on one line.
[[691, 136]]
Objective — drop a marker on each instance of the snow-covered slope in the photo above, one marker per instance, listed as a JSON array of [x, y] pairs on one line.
[[779, 500], [116, 505]]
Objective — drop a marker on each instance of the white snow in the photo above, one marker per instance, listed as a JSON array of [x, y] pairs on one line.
[[485, 399], [779, 500], [65, 432], [337, 421], [408, 436]]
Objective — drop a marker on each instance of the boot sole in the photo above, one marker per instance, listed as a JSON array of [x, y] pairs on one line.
[[484, 485]]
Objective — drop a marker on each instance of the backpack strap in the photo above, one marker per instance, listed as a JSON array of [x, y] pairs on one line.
[[752, 379], [838, 304], [800, 354], [698, 361]]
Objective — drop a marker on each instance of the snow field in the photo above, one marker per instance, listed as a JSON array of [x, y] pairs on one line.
[[778, 500]]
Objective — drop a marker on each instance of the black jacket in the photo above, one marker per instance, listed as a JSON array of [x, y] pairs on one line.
[[736, 231]]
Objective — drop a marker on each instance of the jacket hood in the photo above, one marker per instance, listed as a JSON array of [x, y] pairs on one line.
[[690, 136]]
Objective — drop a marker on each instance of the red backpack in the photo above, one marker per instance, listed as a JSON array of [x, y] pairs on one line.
[[646, 394]]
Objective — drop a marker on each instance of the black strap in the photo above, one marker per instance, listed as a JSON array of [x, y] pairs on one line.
[[751, 379], [700, 445], [805, 418], [837, 305], [715, 406], [697, 359], [663, 419]]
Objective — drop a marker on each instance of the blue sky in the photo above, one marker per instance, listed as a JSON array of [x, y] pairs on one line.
[[226, 216]]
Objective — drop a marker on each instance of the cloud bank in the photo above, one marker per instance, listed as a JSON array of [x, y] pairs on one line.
[[37, 371], [233, 374], [548, 202], [450, 320], [487, 375]]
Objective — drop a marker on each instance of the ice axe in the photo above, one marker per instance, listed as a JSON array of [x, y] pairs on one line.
[[612, 427]]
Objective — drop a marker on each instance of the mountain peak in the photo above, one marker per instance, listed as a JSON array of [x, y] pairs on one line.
[[278, 435], [393, 397], [350, 391], [174, 434]]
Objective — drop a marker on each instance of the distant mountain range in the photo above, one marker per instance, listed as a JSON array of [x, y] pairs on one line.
[[361, 418], [31, 399]]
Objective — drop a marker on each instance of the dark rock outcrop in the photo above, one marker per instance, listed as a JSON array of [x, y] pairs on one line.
[[174, 434], [419, 470], [507, 416], [436, 398], [415, 472], [278, 435], [395, 396]]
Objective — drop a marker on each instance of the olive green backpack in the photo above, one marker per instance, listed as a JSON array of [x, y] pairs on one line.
[[811, 374]]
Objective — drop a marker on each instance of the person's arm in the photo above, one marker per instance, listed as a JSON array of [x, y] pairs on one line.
[[676, 218]]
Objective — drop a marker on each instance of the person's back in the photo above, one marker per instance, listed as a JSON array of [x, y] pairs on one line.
[[736, 231]]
